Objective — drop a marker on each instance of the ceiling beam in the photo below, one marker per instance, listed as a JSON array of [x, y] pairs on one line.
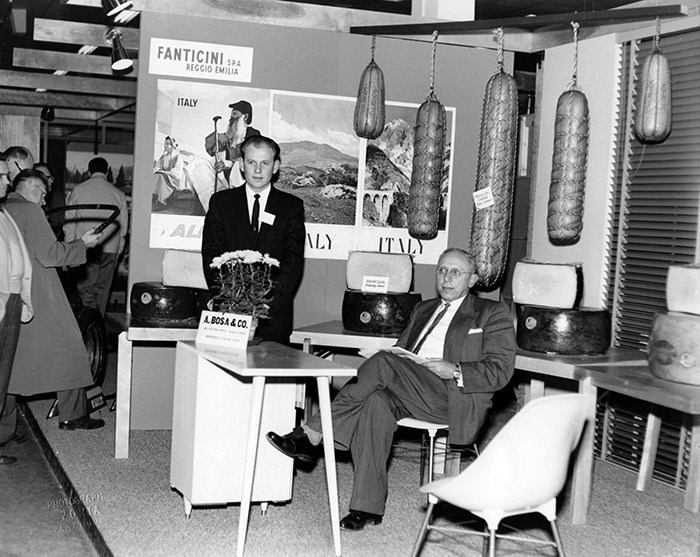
[[603, 17], [66, 61], [80, 102], [71, 32], [68, 83]]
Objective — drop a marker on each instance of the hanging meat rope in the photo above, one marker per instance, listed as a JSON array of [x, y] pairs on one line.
[[369, 108], [495, 172], [569, 162], [428, 153], [653, 121]]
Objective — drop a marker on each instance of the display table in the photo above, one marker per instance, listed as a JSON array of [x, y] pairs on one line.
[[208, 380], [638, 382], [332, 334], [127, 338]]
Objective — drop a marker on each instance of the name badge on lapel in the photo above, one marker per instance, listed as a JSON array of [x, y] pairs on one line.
[[267, 218]]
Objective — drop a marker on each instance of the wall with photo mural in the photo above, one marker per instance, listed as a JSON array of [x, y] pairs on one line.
[[302, 85]]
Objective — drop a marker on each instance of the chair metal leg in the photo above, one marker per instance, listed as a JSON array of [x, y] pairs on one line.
[[557, 537], [423, 530], [492, 543], [431, 453]]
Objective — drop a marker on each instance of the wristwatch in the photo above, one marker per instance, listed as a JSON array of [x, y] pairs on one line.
[[457, 375]]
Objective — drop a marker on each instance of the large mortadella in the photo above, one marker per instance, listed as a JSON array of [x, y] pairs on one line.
[[490, 228]]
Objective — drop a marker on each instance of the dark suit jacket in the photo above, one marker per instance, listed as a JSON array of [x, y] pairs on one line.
[[481, 338], [227, 228]]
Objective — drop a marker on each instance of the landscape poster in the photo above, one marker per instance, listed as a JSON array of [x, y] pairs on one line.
[[355, 191]]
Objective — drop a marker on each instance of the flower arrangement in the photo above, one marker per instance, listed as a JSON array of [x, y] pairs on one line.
[[245, 282]]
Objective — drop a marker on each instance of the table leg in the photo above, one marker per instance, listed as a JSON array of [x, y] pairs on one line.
[[324, 399], [123, 419], [651, 444], [536, 390], [251, 452], [692, 490], [583, 465]]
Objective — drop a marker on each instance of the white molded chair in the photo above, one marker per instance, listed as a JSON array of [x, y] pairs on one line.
[[522, 470]]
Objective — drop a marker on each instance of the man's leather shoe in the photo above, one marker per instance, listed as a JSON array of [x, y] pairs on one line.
[[295, 444], [357, 520], [85, 422], [16, 439], [7, 459]]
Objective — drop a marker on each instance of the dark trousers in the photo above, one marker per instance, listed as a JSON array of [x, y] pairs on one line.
[[365, 412], [9, 335], [94, 279], [71, 406]]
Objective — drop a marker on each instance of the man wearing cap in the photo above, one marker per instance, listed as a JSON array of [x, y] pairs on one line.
[[239, 129]]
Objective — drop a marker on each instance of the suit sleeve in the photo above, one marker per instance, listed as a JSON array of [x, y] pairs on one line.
[[292, 266], [495, 368], [48, 251], [212, 239]]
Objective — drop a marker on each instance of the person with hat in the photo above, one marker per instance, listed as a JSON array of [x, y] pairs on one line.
[[239, 129]]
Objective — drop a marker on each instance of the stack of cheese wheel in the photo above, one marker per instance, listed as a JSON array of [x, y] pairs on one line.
[[184, 268], [674, 344], [156, 305], [378, 300], [549, 318]]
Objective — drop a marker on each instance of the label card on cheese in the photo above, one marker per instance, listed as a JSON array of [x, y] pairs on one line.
[[224, 329], [483, 198], [379, 285]]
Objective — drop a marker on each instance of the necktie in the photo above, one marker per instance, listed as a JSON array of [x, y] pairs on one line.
[[256, 214], [439, 316]]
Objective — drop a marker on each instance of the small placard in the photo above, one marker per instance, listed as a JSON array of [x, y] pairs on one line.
[[224, 329], [483, 198], [375, 284]]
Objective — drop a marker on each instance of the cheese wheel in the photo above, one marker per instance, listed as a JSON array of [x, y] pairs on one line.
[[183, 268], [154, 303], [377, 314], [554, 285], [396, 267], [674, 347], [563, 331], [683, 289]]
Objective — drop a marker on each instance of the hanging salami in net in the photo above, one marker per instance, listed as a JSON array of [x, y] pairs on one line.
[[490, 228], [569, 162], [428, 153], [369, 108]]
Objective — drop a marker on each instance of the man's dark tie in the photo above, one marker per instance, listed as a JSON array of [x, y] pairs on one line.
[[442, 312], [256, 214]]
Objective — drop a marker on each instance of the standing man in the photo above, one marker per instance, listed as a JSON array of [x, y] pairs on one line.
[[15, 307], [468, 347], [260, 217], [18, 158], [51, 354], [95, 277]]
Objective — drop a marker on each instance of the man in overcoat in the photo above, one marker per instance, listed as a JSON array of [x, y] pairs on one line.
[[51, 354], [466, 347]]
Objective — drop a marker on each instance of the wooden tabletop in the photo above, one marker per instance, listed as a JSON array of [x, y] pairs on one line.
[[332, 333], [637, 381]]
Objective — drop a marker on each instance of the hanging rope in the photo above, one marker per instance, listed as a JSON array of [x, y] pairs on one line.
[[657, 35], [432, 62], [374, 43], [498, 34], [574, 76]]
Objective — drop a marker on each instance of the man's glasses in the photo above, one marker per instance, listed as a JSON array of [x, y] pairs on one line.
[[451, 273]]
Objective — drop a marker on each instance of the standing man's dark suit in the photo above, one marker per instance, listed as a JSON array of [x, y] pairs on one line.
[[227, 227], [478, 351]]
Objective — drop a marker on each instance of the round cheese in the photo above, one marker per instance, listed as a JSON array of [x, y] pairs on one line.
[[674, 347], [563, 331], [377, 314], [153, 303], [683, 289], [554, 285], [395, 269]]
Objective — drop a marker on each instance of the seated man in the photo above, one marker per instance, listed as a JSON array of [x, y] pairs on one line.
[[469, 347]]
